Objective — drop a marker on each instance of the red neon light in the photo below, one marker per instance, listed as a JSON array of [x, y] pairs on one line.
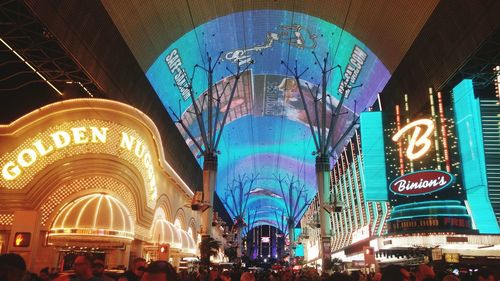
[[443, 133], [400, 146]]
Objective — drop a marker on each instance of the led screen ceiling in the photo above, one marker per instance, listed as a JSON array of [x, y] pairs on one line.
[[266, 134]]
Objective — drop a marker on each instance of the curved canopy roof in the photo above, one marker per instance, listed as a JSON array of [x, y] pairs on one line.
[[164, 232], [267, 135], [387, 27]]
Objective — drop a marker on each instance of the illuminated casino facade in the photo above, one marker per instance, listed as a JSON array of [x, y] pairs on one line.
[[88, 175], [444, 195]]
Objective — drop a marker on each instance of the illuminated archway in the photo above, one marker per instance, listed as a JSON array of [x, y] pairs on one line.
[[180, 219], [90, 218]]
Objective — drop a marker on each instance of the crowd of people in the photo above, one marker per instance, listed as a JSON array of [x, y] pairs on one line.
[[13, 268]]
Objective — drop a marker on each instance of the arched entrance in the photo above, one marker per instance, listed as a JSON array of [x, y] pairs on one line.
[[169, 241], [96, 224]]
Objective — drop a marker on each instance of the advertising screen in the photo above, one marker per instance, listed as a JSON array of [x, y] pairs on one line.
[[267, 132]]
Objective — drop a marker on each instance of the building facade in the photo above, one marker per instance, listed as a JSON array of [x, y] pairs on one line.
[[89, 176]]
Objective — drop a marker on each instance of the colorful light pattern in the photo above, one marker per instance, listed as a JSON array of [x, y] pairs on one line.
[[266, 133]]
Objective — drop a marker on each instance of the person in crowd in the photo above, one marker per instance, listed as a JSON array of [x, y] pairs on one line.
[[44, 274], [225, 276], [286, 275], [395, 273], [83, 269], [424, 272], [213, 275], [160, 271], [98, 270], [450, 277], [136, 271], [337, 276], [247, 276], [377, 276], [12, 267], [483, 275]]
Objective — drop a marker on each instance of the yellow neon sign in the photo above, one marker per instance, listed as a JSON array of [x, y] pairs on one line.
[[59, 139], [419, 143], [51, 142]]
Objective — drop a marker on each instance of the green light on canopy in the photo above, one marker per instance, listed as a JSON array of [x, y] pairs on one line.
[[373, 149], [470, 140]]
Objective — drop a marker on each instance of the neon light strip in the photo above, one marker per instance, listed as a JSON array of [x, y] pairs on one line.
[[30, 66], [427, 203], [357, 189], [81, 86], [375, 216], [432, 208], [429, 216], [351, 197], [497, 81], [90, 232], [362, 182], [407, 113], [444, 133], [96, 213], [385, 214], [400, 145], [71, 207], [436, 140], [346, 198], [112, 215]]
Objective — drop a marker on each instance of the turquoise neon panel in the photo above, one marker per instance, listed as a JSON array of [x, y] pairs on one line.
[[299, 251], [470, 140], [372, 146]]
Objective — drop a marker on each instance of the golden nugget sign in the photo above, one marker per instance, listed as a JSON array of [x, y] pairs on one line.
[[60, 140], [419, 142]]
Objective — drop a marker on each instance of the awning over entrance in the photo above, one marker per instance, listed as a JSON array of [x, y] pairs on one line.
[[99, 217], [164, 232]]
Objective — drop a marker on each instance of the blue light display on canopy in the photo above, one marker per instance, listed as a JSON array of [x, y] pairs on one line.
[[267, 133]]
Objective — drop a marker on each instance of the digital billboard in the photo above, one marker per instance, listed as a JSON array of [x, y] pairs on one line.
[[267, 132]]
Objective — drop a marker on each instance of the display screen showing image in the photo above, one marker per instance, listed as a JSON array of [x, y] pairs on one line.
[[267, 131]]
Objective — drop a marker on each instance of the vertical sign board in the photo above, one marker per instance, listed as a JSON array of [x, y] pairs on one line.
[[469, 129], [372, 146], [426, 189]]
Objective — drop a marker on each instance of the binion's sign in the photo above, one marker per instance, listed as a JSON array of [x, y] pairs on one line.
[[421, 182], [419, 142]]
